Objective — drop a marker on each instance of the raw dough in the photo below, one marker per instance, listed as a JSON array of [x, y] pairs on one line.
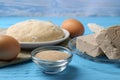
[[35, 31]]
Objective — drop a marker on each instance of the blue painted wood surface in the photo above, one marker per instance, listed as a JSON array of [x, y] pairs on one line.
[[59, 8], [79, 68]]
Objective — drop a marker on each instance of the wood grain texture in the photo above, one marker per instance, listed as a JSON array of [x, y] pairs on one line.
[[22, 57], [78, 69], [59, 8]]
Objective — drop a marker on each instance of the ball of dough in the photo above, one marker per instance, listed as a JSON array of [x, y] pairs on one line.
[[35, 31]]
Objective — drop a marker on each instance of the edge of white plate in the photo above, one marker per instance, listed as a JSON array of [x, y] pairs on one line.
[[67, 34], [28, 45], [32, 45]]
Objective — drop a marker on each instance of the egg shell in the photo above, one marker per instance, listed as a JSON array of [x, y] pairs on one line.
[[74, 26], [9, 48]]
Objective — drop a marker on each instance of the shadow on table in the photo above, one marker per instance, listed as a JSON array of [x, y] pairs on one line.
[[117, 66], [13, 65], [70, 73]]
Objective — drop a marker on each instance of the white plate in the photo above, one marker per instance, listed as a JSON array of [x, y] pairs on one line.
[[32, 45]]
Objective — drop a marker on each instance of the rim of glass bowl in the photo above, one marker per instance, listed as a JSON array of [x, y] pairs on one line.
[[35, 51]]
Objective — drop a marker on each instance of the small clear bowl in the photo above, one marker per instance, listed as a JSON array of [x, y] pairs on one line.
[[52, 67]]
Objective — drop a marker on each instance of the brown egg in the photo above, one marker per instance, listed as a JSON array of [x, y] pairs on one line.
[[74, 26], [9, 48]]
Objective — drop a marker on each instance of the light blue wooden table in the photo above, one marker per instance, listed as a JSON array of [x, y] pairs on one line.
[[59, 8], [79, 68]]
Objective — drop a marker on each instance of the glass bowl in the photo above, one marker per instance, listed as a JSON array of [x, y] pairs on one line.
[[102, 58], [52, 67]]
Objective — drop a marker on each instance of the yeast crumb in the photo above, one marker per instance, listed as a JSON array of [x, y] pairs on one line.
[[52, 55]]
